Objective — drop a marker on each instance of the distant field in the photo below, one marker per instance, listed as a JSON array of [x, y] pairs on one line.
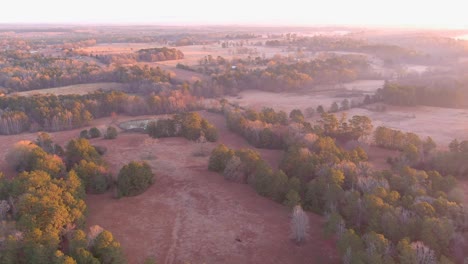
[[442, 124], [302, 100], [192, 54], [75, 89]]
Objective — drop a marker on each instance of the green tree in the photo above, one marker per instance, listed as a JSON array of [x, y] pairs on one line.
[[292, 199], [84, 134], [134, 178], [453, 146], [296, 116], [320, 109], [219, 158], [80, 149], [94, 132], [111, 133], [96, 178], [334, 108], [107, 250]]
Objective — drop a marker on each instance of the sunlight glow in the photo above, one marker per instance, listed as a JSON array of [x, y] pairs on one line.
[[401, 13]]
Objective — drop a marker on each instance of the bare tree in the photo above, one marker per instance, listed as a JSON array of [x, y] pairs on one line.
[[234, 170], [4, 208], [299, 224], [201, 141], [94, 232], [424, 254]]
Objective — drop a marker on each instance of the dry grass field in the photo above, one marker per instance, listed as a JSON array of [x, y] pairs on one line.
[[192, 53], [442, 124], [75, 89], [321, 95]]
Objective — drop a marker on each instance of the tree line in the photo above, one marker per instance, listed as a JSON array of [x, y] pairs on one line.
[[143, 55], [189, 125], [414, 94], [279, 76], [56, 113], [22, 71]]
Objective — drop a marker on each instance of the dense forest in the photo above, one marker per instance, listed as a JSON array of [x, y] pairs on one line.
[[43, 207]]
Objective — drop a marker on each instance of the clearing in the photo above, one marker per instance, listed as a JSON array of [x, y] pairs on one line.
[[75, 89], [442, 124], [323, 95]]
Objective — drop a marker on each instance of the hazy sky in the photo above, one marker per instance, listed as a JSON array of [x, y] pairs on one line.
[[415, 13]]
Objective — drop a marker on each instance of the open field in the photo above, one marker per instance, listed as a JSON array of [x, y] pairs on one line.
[[190, 213], [323, 95], [192, 53], [442, 124], [75, 89]]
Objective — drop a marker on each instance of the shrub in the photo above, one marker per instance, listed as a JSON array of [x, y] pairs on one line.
[[101, 150], [219, 158], [84, 134], [111, 133], [94, 132], [134, 178]]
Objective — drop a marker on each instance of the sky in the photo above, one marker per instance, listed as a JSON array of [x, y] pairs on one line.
[[396, 13]]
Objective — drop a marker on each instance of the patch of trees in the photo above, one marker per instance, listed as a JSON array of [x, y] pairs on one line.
[[134, 178], [28, 156], [263, 130], [414, 94], [388, 206], [25, 71], [389, 53], [145, 55], [452, 162], [80, 149], [92, 133], [288, 76], [378, 216], [414, 149], [44, 211], [56, 113], [159, 54], [356, 128], [22, 71], [246, 166], [189, 125]]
